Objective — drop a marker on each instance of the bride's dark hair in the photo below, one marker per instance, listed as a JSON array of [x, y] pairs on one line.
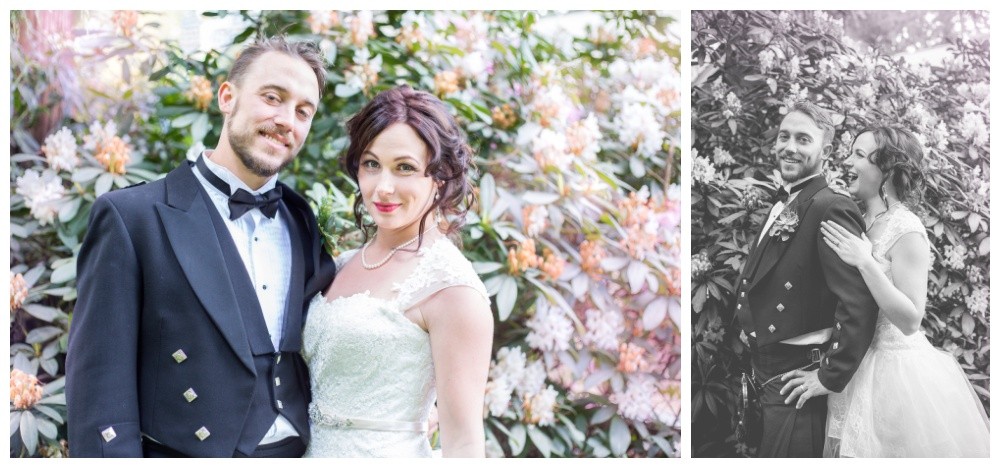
[[899, 155], [449, 160]]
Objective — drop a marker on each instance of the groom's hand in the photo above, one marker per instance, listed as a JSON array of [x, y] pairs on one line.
[[803, 385]]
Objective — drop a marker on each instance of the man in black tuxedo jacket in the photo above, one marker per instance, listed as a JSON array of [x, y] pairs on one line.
[[807, 316], [187, 329]]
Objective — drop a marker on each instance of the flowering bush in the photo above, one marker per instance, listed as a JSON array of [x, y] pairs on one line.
[[747, 67], [575, 233]]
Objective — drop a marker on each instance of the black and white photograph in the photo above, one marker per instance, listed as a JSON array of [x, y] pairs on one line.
[[839, 235]]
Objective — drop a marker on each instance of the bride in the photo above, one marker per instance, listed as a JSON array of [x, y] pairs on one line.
[[907, 398], [407, 321]]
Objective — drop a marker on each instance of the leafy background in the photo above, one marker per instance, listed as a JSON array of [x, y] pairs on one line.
[[576, 232], [747, 67]]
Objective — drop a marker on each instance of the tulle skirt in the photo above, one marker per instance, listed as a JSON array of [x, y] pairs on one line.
[[907, 399]]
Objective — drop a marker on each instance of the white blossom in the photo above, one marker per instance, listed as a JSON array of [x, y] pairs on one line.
[[60, 150], [604, 328], [550, 329], [639, 127], [43, 194]]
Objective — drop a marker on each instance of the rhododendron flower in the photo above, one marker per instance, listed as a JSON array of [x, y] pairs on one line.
[[25, 391], [60, 150], [43, 194], [200, 92], [18, 291], [550, 328]]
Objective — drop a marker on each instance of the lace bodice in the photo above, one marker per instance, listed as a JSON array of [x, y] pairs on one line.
[[898, 222], [367, 361]]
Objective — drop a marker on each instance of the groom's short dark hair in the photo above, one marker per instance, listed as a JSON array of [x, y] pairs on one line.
[[307, 51], [819, 115]]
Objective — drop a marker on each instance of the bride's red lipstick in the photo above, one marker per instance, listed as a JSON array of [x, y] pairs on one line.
[[386, 207]]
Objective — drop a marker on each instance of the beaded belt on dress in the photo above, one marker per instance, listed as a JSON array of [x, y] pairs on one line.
[[319, 417]]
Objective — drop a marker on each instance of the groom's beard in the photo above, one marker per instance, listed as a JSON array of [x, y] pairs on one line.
[[797, 166]]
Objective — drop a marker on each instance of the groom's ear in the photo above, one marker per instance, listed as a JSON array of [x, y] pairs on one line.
[[227, 97], [827, 149]]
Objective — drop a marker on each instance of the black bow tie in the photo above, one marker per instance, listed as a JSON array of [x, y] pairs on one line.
[[242, 201], [783, 194]]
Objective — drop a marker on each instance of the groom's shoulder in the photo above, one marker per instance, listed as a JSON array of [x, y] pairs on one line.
[[138, 196], [834, 198]]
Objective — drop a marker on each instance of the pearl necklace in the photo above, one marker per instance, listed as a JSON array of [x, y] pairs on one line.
[[364, 250]]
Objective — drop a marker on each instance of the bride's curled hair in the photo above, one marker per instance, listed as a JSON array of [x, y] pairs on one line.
[[899, 155], [449, 160]]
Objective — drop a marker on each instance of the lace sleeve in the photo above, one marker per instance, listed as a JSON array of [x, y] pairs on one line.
[[442, 266], [903, 222]]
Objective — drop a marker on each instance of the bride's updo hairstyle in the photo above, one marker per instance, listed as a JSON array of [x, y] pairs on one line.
[[449, 160], [898, 155]]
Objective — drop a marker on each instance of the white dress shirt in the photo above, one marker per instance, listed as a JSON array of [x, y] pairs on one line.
[[265, 247]]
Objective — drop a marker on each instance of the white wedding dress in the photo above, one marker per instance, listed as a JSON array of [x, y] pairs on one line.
[[370, 367], [907, 398]]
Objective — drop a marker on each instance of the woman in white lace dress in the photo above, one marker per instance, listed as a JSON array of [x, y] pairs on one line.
[[907, 398], [406, 322]]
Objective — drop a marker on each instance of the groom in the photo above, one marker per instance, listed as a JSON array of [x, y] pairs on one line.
[[186, 334], [800, 307]]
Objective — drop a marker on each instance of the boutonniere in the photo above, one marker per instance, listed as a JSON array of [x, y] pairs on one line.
[[785, 225]]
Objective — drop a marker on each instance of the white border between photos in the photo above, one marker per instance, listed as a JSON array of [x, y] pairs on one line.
[[686, 138]]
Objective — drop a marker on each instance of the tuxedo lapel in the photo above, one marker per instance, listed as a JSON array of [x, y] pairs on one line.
[[291, 339], [187, 221], [771, 249]]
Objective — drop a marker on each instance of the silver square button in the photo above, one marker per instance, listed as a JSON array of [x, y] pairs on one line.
[[202, 433], [179, 356], [109, 434]]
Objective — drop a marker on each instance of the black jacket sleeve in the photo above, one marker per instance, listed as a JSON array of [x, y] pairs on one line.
[[101, 362], [856, 310]]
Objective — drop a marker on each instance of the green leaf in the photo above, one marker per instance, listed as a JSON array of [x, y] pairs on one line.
[[619, 436], [41, 312], [50, 412], [185, 120], [59, 399], [539, 198], [46, 428], [64, 273], [575, 433], [601, 415], [200, 127], [158, 74], [29, 432], [86, 174], [344, 91], [15, 422], [542, 442], [69, 210], [487, 194], [483, 268], [42, 334], [655, 312], [518, 436], [506, 297], [103, 184], [54, 386]]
